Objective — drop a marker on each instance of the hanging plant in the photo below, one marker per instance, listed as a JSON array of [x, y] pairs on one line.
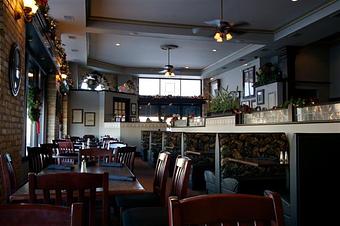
[[34, 103]]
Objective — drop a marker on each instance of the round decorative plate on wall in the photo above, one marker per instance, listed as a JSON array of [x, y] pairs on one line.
[[14, 66]]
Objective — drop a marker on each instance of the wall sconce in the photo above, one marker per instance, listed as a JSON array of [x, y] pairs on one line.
[[30, 8]]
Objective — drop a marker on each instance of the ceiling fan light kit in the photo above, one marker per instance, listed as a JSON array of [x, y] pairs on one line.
[[168, 69], [224, 29]]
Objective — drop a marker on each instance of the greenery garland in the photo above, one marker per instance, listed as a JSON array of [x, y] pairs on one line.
[[34, 103]]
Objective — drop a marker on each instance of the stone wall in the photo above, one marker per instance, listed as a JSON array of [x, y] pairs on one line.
[[12, 108], [251, 146]]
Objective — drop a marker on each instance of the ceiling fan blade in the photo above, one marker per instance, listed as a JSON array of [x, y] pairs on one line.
[[240, 24], [237, 31], [163, 71], [216, 22], [195, 30]]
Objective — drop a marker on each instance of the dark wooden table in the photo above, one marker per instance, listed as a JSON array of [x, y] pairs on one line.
[[116, 187]]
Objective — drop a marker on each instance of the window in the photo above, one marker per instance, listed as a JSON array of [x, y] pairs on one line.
[[248, 82], [148, 86], [190, 87], [170, 87], [121, 109], [165, 87]]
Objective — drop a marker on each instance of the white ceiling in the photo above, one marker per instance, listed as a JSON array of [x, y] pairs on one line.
[[141, 27]]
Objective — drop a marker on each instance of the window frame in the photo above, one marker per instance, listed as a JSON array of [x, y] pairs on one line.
[[180, 84]]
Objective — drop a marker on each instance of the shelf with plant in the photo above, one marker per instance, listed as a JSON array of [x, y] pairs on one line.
[[224, 101]]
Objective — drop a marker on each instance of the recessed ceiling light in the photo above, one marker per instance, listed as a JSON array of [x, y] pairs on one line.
[[117, 44], [214, 50], [294, 0], [186, 67]]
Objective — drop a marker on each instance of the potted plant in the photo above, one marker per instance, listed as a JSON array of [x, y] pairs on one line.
[[224, 101]]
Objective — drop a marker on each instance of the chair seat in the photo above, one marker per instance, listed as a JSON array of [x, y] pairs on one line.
[[145, 216], [146, 199]]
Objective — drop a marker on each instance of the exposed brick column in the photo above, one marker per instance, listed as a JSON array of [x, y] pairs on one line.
[[65, 115], [12, 108], [206, 95], [52, 120]]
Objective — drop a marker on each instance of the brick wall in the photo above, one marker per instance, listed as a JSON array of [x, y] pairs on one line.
[[12, 109], [52, 121]]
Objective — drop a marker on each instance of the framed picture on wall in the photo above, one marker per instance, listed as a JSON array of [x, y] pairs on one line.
[[90, 118], [248, 82], [77, 116], [260, 96]]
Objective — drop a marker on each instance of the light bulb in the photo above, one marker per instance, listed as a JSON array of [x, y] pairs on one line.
[[64, 76], [31, 4], [219, 40], [34, 8], [167, 73], [228, 36], [217, 36]]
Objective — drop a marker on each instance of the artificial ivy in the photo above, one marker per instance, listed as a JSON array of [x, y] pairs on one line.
[[34, 103]]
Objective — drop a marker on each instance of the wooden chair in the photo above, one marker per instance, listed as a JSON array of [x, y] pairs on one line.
[[54, 187], [126, 155], [49, 147], [65, 147], [158, 216], [155, 198], [38, 158], [7, 175], [40, 215], [96, 154], [226, 209]]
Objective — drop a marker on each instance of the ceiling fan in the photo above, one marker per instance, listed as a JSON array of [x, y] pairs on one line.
[[168, 69], [224, 29]]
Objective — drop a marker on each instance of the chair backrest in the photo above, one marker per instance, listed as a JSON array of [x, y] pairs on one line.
[[210, 182], [226, 209], [180, 177], [65, 147], [40, 215], [8, 179], [229, 185], [54, 187], [38, 158], [49, 147], [161, 176], [126, 155], [97, 154]]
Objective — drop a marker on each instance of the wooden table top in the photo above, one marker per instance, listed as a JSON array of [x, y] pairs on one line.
[[116, 187]]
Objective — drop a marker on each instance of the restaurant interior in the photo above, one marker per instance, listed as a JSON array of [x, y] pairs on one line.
[[133, 113]]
